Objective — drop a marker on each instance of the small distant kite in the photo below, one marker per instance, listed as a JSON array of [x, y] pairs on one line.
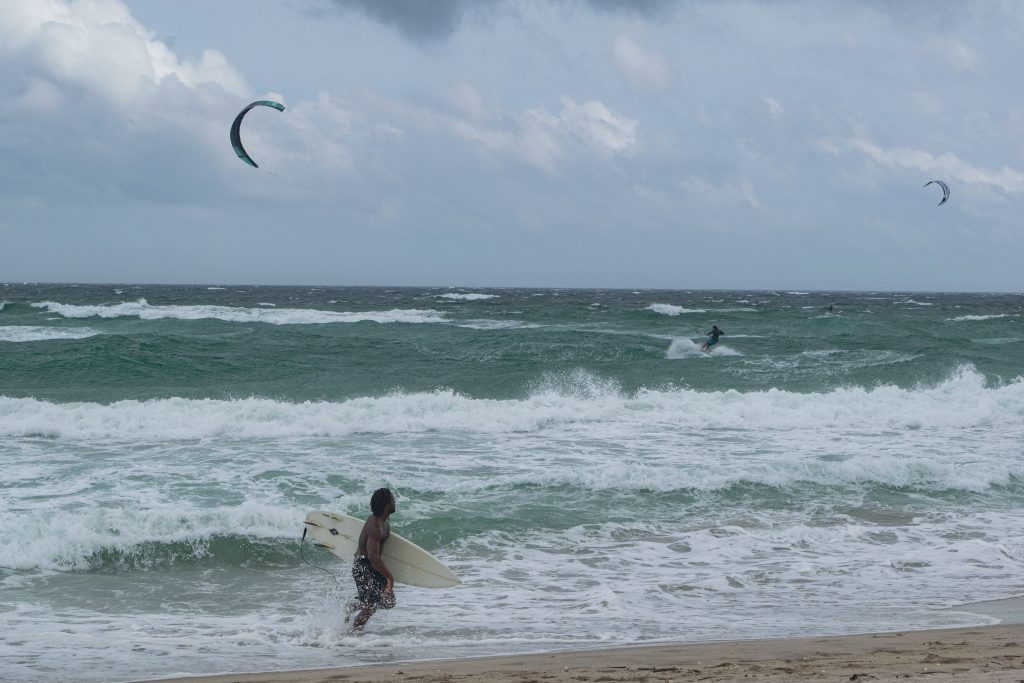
[[236, 140], [944, 186]]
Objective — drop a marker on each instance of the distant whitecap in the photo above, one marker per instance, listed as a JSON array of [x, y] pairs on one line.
[[284, 316]]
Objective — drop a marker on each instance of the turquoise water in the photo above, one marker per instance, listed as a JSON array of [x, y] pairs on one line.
[[571, 454]]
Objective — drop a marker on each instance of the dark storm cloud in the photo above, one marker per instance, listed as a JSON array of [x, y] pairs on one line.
[[644, 7], [418, 21], [426, 20]]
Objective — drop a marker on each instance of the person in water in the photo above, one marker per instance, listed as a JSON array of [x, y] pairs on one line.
[[714, 334], [375, 586]]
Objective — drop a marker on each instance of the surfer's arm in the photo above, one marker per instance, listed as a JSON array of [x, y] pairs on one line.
[[373, 555]]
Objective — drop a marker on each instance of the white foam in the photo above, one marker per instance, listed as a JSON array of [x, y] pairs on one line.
[[497, 324], [672, 309], [793, 544], [283, 316], [31, 333], [998, 341], [916, 303], [469, 296], [264, 303], [603, 581], [964, 318], [721, 349], [687, 348], [577, 399], [64, 540], [683, 348]]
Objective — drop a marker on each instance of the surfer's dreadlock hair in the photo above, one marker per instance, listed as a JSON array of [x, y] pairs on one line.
[[380, 500]]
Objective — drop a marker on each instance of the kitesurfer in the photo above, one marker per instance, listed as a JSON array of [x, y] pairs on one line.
[[714, 334]]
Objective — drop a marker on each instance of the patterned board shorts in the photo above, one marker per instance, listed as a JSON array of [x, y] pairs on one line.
[[370, 585]]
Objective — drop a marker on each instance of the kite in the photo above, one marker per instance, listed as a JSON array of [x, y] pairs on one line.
[[236, 140], [944, 186]]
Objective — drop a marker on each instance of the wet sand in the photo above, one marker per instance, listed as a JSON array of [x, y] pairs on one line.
[[994, 654]]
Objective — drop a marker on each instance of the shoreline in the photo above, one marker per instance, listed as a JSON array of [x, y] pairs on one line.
[[992, 654]]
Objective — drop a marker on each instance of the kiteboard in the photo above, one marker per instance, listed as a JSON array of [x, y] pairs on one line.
[[407, 562]]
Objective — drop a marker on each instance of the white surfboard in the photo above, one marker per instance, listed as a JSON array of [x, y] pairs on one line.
[[408, 563]]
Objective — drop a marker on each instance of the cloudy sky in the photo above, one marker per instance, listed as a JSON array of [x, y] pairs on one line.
[[591, 143]]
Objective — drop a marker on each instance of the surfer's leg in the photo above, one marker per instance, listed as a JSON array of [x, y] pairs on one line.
[[363, 617], [370, 592]]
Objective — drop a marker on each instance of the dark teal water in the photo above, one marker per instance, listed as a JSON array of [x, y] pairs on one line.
[[200, 343]]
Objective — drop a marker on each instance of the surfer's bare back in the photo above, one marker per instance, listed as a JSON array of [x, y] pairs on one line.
[[375, 586]]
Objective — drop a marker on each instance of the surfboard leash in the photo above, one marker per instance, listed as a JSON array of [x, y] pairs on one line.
[[302, 545]]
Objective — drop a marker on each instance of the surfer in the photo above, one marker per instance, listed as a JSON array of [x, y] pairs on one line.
[[375, 586], [714, 334]]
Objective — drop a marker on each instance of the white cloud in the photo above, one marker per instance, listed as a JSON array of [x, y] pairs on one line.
[[532, 140], [322, 126], [594, 123], [539, 137], [947, 165], [729, 192], [640, 66], [127, 97], [389, 131], [302, 151], [467, 100], [925, 104], [39, 97], [775, 109], [98, 45], [961, 57]]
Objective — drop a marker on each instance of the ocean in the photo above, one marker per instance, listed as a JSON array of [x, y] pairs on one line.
[[592, 476]]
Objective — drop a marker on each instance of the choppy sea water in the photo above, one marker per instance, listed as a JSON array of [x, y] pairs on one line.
[[572, 454]]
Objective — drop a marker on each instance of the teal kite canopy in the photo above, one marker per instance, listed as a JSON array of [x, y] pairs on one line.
[[945, 190], [236, 140]]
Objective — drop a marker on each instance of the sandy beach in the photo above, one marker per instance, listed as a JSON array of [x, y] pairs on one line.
[[990, 653]]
